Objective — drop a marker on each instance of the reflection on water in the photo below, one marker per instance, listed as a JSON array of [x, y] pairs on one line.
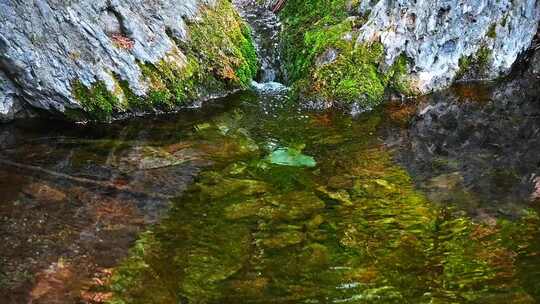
[[477, 147], [273, 204]]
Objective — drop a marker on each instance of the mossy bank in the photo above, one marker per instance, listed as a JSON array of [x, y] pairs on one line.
[[324, 62], [361, 52], [217, 57]]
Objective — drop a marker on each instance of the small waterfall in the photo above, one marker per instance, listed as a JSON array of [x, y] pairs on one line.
[[266, 34]]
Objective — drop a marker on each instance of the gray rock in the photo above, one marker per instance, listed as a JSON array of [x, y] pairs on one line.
[[436, 34], [329, 56], [10, 105], [46, 45]]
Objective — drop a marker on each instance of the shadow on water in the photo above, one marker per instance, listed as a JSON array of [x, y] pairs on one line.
[[476, 146], [253, 200]]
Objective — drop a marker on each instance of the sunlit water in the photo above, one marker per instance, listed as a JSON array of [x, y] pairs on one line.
[[254, 200]]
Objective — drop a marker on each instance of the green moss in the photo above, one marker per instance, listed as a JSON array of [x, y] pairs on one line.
[[399, 80], [483, 56], [227, 53], [464, 65], [171, 85], [492, 31], [316, 28], [299, 18], [475, 64], [247, 70], [96, 100]]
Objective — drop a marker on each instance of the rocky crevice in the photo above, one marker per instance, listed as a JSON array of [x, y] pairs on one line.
[[267, 29]]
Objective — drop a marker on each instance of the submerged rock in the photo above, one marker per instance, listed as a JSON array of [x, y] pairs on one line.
[[285, 207], [284, 239], [44, 193], [216, 186], [147, 158]]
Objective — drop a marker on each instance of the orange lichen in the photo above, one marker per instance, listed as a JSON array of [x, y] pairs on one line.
[[123, 42]]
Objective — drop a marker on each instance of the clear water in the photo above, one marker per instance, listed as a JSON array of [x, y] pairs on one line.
[[255, 200]]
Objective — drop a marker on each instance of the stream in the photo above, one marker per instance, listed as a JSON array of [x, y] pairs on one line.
[[255, 199]]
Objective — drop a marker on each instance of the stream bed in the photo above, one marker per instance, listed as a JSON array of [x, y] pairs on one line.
[[254, 199]]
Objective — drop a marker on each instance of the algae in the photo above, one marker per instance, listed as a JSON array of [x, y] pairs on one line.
[[96, 100], [474, 65], [291, 157]]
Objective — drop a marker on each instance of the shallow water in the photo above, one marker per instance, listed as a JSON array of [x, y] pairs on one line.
[[255, 200]]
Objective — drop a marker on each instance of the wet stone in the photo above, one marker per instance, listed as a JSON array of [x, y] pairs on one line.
[[284, 239], [341, 196], [286, 207], [44, 193], [291, 206], [147, 158], [340, 182], [215, 186]]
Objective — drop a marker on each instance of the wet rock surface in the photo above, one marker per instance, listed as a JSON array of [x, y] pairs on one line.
[[99, 60], [439, 36], [266, 30]]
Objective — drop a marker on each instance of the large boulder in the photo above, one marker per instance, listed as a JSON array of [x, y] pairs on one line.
[[443, 39], [101, 57], [359, 52]]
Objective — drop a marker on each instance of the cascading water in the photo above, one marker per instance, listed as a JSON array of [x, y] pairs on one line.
[[266, 28]]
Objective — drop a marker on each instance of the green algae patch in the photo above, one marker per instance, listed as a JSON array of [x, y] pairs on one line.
[[219, 56], [291, 157], [325, 62]]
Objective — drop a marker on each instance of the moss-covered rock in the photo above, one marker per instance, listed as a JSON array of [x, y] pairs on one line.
[[218, 57], [475, 66], [324, 61]]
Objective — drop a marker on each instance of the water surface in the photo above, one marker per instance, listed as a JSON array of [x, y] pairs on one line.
[[255, 200]]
